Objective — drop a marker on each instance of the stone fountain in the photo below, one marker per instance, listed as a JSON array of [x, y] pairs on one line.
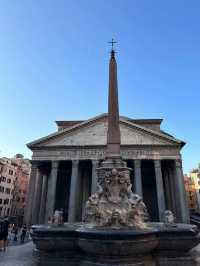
[[116, 230]]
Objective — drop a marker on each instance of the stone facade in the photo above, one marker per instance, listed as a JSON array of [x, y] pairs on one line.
[[191, 193], [194, 194], [7, 183], [14, 176], [63, 172], [23, 168]]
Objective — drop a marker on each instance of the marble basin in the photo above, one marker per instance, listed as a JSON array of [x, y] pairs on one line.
[[50, 238], [157, 245], [116, 242], [175, 240]]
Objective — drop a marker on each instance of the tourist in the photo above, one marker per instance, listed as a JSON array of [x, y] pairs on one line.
[[5, 232], [23, 233], [1, 234], [15, 233]]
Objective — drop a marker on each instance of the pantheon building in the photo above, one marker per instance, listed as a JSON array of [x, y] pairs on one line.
[[63, 172]]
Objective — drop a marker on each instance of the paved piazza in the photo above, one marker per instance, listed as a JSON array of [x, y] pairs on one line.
[[24, 255]]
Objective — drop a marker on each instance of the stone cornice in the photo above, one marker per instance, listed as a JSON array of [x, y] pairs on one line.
[[102, 117], [64, 147]]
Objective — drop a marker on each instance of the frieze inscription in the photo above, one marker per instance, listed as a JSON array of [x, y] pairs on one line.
[[99, 153]]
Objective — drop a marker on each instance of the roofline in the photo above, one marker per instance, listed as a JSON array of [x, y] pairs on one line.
[[64, 122], [87, 122], [146, 120]]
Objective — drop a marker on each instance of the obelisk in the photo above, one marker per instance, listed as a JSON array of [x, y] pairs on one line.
[[113, 134], [114, 205]]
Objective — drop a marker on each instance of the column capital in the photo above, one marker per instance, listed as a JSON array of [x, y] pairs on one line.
[[34, 164], [95, 162], [54, 164], [75, 163], [137, 163], [157, 163], [178, 163]]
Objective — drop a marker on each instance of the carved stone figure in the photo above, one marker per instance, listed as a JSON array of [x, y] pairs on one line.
[[58, 217], [169, 218], [114, 204]]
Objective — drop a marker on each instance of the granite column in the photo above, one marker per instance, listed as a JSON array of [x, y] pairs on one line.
[[51, 193], [31, 191], [43, 198], [159, 189], [37, 197], [73, 199], [94, 176], [181, 199], [138, 177]]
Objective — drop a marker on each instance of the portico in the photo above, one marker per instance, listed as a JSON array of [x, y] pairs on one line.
[[64, 177]]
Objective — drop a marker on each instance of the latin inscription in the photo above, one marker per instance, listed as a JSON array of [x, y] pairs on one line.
[[83, 154]]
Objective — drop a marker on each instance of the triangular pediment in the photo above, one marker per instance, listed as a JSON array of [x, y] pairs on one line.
[[94, 132]]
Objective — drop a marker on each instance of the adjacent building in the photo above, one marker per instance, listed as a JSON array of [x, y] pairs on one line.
[[194, 176], [23, 167], [191, 193], [14, 178], [7, 183]]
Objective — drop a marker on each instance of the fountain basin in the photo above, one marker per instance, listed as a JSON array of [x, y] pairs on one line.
[[159, 244], [51, 238], [175, 240], [96, 241], [116, 242]]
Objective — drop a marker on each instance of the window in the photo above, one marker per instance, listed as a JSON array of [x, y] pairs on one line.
[[1, 202], [6, 201], [10, 172], [23, 200], [3, 179], [8, 180], [7, 190], [1, 189]]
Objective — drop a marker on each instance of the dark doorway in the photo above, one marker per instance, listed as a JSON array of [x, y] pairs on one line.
[[149, 189], [85, 182], [63, 187]]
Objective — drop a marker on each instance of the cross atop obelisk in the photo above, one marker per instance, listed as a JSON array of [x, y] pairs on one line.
[[113, 137], [112, 43]]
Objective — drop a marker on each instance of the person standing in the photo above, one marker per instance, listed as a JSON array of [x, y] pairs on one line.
[[5, 232], [15, 233], [23, 233], [1, 234]]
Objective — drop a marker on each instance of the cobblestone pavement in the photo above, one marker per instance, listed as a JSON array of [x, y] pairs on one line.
[[24, 255], [18, 256]]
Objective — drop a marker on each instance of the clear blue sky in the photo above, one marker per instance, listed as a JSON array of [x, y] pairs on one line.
[[54, 66]]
